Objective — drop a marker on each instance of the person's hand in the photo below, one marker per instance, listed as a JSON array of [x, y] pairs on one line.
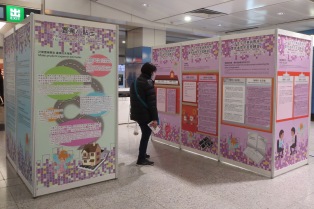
[[154, 124]]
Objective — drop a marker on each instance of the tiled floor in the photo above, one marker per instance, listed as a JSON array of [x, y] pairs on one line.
[[178, 180]]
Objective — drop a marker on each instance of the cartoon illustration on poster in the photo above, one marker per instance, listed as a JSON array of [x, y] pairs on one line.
[[200, 78], [293, 93], [78, 82], [291, 142], [167, 84], [248, 70], [247, 146]]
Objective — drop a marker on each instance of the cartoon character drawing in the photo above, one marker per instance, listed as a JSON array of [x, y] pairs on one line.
[[191, 119], [232, 142], [190, 136], [280, 144], [61, 159], [185, 117], [294, 141]]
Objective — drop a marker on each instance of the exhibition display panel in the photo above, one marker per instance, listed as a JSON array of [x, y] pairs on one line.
[[200, 93], [248, 66], [62, 102], [293, 90], [167, 59], [244, 98]]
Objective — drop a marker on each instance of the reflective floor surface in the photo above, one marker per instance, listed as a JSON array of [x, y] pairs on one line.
[[178, 180]]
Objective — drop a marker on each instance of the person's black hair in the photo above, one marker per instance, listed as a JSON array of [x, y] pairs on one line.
[[293, 130], [281, 132], [148, 68]]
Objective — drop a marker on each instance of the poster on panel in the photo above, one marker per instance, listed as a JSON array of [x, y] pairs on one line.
[[293, 98], [75, 87], [200, 78], [167, 84], [247, 79], [10, 109], [23, 85]]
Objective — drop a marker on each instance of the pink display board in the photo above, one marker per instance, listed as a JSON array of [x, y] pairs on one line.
[[293, 93], [243, 99], [247, 89], [167, 84], [200, 85]]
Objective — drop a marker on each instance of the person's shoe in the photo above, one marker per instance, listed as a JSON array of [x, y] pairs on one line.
[[147, 156], [145, 162]]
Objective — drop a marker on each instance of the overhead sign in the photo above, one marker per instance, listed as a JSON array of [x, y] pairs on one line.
[[14, 13]]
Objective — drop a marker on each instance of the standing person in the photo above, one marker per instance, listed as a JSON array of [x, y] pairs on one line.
[[144, 108]]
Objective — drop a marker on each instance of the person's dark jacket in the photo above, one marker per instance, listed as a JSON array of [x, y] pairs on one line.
[[146, 91]]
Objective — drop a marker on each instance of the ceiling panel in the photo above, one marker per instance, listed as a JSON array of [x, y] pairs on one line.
[[213, 25], [158, 9], [242, 5], [288, 15], [257, 17], [179, 19], [236, 20], [303, 7], [236, 14]]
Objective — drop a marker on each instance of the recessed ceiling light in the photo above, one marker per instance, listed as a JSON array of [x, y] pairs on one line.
[[2, 24], [280, 13], [187, 18], [123, 42], [145, 5], [219, 25]]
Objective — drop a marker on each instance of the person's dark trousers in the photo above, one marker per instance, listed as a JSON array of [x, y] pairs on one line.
[[146, 131]]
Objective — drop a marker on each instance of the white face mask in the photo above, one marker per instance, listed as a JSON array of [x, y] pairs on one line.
[[153, 76]]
